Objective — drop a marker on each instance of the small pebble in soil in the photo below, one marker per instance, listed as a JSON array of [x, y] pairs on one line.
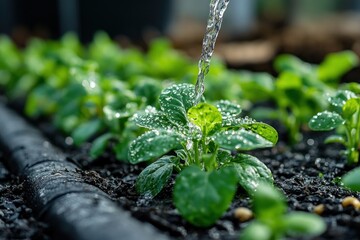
[[319, 209], [351, 201], [243, 214]]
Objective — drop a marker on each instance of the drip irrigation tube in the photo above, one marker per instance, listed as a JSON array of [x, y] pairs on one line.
[[57, 193]]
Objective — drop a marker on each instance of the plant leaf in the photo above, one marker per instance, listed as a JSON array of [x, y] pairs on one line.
[[86, 130], [337, 64], [230, 113], [228, 108], [287, 62], [154, 177], [99, 145], [341, 97], [176, 100], [240, 140], [251, 171], [268, 203], [202, 197], [350, 107], [335, 139], [288, 80], [264, 130], [302, 223], [351, 179], [152, 119], [325, 121], [205, 116], [152, 145], [256, 231]]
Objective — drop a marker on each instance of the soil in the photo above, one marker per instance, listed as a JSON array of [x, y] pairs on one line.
[[16, 218]]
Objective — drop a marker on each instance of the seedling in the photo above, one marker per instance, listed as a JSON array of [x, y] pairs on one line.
[[345, 117], [273, 223], [299, 89], [203, 138]]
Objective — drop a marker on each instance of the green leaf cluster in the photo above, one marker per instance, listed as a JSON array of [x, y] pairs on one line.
[[274, 223], [202, 137], [301, 88], [344, 116]]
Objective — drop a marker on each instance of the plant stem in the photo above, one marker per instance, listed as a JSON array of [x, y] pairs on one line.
[[350, 144], [196, 151]]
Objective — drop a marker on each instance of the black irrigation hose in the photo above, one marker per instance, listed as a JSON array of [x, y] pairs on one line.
[[57, 193]]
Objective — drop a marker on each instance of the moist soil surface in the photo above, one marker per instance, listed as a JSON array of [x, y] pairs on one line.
[[16, 218], [307, 174]]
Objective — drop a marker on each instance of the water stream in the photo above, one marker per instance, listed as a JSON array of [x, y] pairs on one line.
[[217, 9]]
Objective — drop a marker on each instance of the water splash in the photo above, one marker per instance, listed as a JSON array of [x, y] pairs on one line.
[[217, 9]]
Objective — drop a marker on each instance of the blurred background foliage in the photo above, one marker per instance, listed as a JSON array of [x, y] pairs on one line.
[[134, 19]]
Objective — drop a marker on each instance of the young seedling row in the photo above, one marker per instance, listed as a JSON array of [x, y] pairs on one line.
[[143, 107]]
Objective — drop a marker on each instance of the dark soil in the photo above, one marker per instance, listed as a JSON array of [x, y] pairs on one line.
[[16, 219]]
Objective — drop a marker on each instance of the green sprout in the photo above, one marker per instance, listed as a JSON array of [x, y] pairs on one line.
[[273, 223], [299, 89], [345, 117], [203, 138]]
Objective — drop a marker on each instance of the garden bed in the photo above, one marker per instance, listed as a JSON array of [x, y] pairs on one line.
[[307, 174], [87, 102]]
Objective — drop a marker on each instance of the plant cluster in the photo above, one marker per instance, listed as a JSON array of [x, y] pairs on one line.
[[301, 88], [108, 95], [344, 115], [91, 93], [203, 137]]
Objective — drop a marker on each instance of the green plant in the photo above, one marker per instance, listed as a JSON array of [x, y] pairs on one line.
[[300, 89], [273, 223], [351, 179], [345, 117], [203, 138]]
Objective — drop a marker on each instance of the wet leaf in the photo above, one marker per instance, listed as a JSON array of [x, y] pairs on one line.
[[240, 140], [264, 130], [205, 116], [230, 113], [325, 121], [302, 223], [203, 197], [341, 97], [152, 119], [86, 130], [251, 171], [152, 145], [99, 145], [351, 179], [228, 108], [176, 100], [155, 176]]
